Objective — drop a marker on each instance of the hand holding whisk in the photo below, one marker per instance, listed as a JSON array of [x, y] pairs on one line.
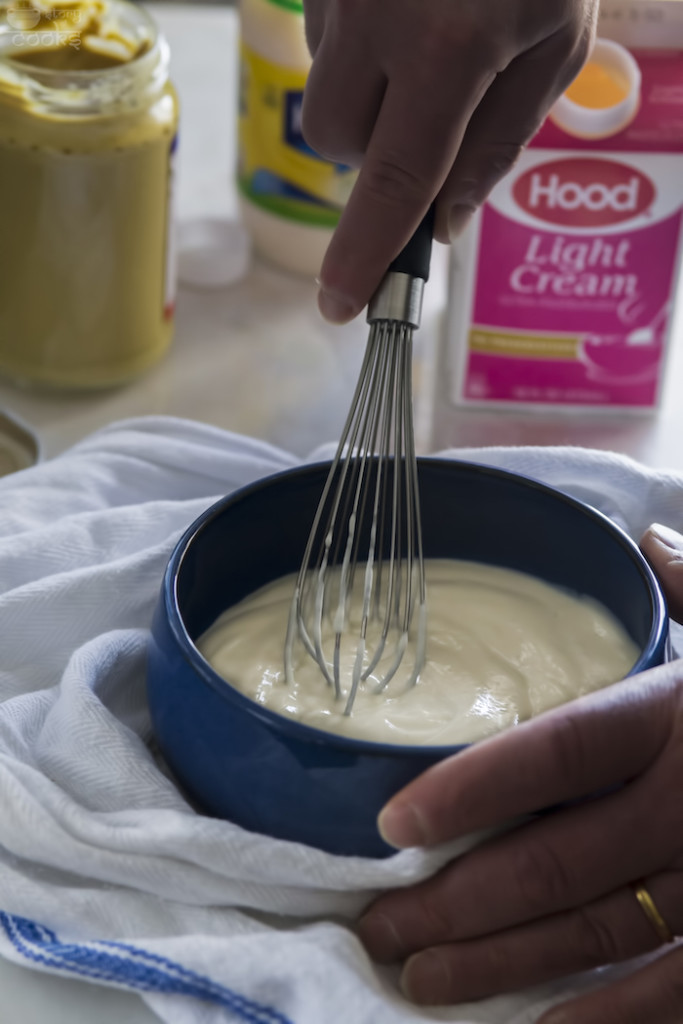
[[362, 577]]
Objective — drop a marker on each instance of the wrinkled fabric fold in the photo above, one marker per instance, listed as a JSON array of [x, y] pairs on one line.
[[106, 871]]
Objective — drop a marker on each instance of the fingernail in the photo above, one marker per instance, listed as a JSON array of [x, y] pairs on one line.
[[380, 938], [400, 824], [458, 219], [335, 308], [426, 979], [670, 538]]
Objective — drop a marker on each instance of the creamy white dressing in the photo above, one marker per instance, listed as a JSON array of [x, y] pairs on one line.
[[502, 647]]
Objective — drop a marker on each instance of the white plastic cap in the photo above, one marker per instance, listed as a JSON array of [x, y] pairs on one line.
[[592, 123], [212, 253]]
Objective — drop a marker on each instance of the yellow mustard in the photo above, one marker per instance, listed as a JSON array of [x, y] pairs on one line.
[[88, 129]]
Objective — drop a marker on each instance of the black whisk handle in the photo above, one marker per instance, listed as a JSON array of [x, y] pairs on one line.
[[415, 258]]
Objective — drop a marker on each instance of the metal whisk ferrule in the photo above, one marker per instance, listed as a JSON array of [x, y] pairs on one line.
[[362, 575], [398, 298]]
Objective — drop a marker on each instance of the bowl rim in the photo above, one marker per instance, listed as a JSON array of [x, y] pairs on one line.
[[309, 734]]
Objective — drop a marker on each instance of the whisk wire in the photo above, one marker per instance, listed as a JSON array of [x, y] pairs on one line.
[[377, 438], [399, 590], [384, 341], [297, 625], [414, 506], [367, 443], [388, 340], [368, 518], [361, 456]]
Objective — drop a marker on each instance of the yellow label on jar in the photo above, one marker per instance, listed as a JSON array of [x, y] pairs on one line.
[[278, 170]]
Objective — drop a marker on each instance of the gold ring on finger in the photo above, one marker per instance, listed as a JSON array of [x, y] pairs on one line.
[[651, 912]]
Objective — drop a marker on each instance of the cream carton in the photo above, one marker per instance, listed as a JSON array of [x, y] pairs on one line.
[[564, 285]]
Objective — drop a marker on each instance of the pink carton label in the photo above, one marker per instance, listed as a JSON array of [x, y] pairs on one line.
[[576, 262], [559, 318]]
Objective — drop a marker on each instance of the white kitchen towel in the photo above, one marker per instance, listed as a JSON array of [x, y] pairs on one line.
[[106, 873]]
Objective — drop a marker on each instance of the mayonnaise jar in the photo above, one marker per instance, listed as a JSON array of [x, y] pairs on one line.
[[88, 129], [291, 198]]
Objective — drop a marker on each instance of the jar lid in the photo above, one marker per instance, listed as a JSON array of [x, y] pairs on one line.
[[212, 253]]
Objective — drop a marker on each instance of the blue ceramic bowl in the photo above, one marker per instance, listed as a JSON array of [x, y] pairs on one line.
[[237, 760]]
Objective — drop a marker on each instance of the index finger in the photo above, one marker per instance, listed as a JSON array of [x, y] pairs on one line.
[[415, 140], [578, 749]]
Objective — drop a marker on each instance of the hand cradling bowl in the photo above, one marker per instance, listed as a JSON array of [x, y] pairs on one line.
[[240, 761]]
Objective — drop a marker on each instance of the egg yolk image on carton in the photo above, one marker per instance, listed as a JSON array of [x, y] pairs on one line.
[[565, 282]]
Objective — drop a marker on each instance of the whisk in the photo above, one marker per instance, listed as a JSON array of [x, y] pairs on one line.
[[368, 519]]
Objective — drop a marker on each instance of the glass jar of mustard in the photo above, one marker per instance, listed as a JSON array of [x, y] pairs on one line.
[[88, 129]]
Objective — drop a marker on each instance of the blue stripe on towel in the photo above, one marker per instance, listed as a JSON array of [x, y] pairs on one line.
[[121, 964]]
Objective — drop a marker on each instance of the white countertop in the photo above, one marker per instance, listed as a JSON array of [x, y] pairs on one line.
[[257, 358]]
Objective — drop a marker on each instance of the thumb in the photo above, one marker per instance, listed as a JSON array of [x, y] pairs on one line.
[[663, 548]]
